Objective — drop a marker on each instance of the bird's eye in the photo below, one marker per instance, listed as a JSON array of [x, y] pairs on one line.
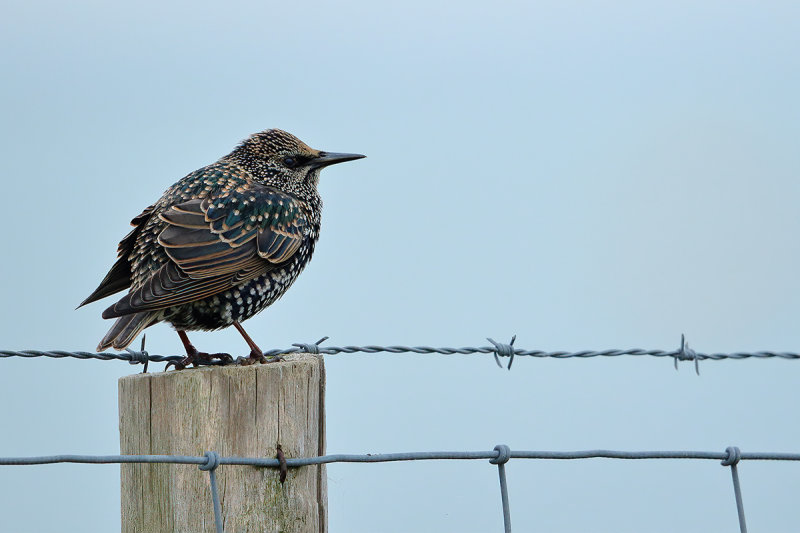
[[290, 162]]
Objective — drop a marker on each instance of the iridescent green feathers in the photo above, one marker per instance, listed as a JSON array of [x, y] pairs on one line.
[[217, 243]]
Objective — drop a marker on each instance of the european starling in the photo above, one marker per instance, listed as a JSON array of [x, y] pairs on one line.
[[220, 245]]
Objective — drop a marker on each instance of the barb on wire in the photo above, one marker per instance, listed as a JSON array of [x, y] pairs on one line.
[[687, 354], [310, 348], [139, 357], [497, 350], [505, 350]]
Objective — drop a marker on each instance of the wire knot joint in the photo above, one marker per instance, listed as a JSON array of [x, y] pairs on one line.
[[138, 357], [310, 348], [212, 461], [503, 350], [734, 456], [503, 455]]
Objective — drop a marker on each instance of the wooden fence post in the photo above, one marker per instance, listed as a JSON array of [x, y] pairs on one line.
[[235, 411]]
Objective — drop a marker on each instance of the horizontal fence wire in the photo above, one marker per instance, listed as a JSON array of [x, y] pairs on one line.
[[499, 456], [393, 457], [497, 349]]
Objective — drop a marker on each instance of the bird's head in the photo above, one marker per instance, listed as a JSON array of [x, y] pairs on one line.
[[279, 159]]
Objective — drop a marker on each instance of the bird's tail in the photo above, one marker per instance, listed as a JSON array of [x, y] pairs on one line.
[[125, 329]]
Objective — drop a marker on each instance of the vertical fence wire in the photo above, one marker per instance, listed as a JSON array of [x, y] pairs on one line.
[[503, 455], [211, 464], [734, 456], [501, 469], [737, 490], [215, 502]]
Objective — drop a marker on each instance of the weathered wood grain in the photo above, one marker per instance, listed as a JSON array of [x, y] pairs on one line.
[[235, 411]]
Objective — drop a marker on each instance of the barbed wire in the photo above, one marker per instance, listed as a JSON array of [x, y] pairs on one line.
[[498, 350], [499, 456]]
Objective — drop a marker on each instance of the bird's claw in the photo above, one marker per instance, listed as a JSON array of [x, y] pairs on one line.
[[179, 365], [217, 359], [257, 357], [201, 359]]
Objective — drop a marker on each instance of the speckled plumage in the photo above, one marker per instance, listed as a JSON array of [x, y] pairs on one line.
[[222, 243]]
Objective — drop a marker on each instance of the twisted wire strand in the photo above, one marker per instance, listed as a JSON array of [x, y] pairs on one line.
[[499, 350], [103, 356]]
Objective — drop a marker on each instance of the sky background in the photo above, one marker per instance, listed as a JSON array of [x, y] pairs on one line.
[[586, 175]]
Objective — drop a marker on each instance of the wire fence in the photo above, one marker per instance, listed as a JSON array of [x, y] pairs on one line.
[[499, 456], [497, 349]]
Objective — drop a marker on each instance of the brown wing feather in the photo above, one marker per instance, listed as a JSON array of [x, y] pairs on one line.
[[169, 286], [209, 255]]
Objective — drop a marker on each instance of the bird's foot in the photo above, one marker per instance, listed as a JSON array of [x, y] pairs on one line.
[[196, 359], [257, 356]]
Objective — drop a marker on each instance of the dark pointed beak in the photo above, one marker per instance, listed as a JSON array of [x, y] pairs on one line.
[[331, 158]]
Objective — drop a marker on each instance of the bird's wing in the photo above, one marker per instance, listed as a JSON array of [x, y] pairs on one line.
[[218, 243], [119, 277]]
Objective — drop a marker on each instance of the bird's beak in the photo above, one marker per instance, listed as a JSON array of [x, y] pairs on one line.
[[331, 158]]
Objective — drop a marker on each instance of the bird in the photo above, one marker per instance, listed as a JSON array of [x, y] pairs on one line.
[[220, 245]]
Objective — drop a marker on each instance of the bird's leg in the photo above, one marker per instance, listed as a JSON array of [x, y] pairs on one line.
[[256, 355], [196, 358]]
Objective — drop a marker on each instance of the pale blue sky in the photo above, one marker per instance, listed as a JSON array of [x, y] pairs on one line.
[[586, 175]]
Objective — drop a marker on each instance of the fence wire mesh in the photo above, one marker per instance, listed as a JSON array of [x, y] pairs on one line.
[[499, 456]]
